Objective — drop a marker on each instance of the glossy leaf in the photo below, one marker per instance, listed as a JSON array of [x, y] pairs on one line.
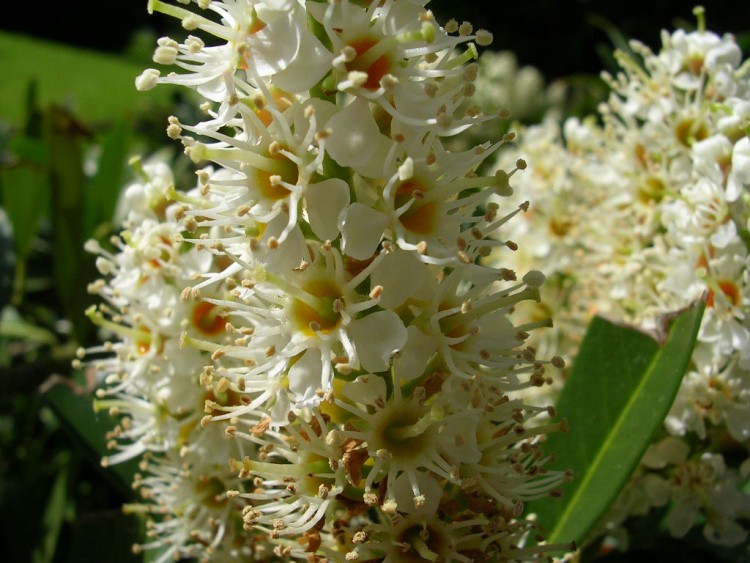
[[74, 407], [618, 393]]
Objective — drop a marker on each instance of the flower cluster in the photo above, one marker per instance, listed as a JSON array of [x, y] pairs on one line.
[[640, 211], [309, 356]]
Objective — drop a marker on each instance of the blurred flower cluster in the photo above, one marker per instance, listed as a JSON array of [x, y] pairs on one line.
[[306, 349], [641, 210]]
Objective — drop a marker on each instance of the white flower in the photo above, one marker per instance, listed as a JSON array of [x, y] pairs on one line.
[[311, 355]]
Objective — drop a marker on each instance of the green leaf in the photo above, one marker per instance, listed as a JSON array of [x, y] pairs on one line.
[[72, 268], [105, 536], [54, 514], [7, 260], [74, 407], [25, 191], [110, 176], [619, 391], [98, 86]]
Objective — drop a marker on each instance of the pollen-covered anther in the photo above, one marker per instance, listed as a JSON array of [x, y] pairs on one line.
[[348, 54], [323, 134], [465, 28], [558, 362], [174, 129], [357, 78], [470, 72], [383, 454], [390, 506], [389, 82], [483, 37], [468, 90], [376, 292], [344, 368], [431, 89], [444, 120]]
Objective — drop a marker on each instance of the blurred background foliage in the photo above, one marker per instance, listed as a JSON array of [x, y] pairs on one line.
[[70, 120]]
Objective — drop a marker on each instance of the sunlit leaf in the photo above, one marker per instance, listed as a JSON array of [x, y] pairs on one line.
[[74, 407], [96, 86], [620, 389]]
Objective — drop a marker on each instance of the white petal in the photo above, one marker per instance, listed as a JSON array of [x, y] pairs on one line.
[[325, 201], [415, 354], [308, 67], [376, 337], [367, 389], [390, 275], [354, 131], [362, 228], [305, 374], [274, 47]]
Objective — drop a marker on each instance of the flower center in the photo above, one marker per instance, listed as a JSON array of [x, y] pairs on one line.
[[730, 291], [266, 180], [652, 189], [690, 130], [319, 314], [420, 218], [208, 320], [424, 541], [211, 492], [375, 69], [403, 431]]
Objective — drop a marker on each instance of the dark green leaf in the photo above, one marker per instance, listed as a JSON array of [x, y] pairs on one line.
[[7, 260], [25, 191], [620, 389], [102, 198], [74, 408], [72, 268], [54, 514], [30, 150], [105, 536]]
